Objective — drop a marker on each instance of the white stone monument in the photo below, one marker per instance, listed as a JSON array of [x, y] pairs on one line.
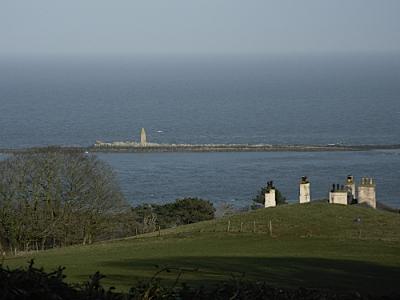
[[143, 138], [270, 195], [305, 191], [367, 192]]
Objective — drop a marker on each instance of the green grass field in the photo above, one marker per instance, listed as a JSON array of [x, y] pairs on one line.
[[311, 245]]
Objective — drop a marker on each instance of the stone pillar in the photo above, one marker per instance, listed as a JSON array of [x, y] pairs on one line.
[[339, 195], [270, 198], [270, 195], [143, 138], [305, 192], [367, 192], [351, 187]]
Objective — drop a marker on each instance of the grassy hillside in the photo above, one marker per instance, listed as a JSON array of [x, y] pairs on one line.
[[311, 245]]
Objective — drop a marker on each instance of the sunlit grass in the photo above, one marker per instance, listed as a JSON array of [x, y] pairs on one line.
[[314, 245]]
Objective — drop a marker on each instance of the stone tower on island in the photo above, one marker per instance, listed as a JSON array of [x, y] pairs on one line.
[[143, 138]]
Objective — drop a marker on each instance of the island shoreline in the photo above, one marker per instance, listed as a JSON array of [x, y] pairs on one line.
[[182, 148]]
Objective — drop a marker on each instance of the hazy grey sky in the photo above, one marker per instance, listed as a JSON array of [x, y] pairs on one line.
[[74, 27]]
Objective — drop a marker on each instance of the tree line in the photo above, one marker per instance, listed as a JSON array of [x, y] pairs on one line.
[[55, 198]]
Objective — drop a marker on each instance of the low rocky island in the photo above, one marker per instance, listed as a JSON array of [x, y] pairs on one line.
[[154, 147], [144, 146]]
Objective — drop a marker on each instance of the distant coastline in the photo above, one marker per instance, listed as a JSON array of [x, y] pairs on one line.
[[168, 148]]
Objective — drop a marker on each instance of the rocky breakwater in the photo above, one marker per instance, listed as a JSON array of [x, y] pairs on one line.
[[130, 147], [154, 147]]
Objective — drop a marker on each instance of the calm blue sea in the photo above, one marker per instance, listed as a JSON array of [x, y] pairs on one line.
[[235, 178], [278, 99]]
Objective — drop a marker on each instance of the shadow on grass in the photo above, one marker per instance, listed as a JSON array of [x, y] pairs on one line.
[[339, 275]]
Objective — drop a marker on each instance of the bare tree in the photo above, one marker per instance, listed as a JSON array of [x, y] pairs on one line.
[[52, 198]]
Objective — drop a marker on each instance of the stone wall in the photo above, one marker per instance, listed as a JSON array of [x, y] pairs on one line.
[[338, 197]]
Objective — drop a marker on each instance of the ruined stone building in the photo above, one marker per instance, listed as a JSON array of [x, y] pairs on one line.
[[344, 194], [340, 194]]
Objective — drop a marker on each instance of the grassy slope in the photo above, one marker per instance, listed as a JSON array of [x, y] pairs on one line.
[[312, 245]]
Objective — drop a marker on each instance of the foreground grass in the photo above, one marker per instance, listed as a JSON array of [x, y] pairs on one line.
[[316, 245]]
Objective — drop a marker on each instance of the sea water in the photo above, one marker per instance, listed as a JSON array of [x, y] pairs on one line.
[[345, 99], [235, 178]]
